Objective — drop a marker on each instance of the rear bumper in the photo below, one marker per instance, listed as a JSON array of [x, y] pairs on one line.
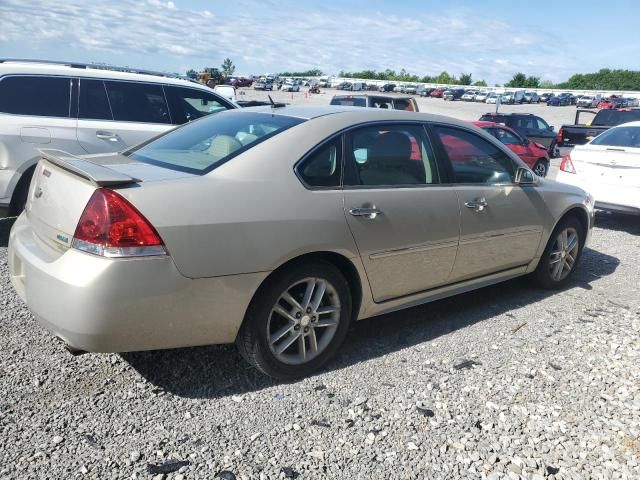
[[105, 305]]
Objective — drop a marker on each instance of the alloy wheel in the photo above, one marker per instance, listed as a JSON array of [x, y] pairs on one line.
[[564, 254], [303, 321], [540, 169]]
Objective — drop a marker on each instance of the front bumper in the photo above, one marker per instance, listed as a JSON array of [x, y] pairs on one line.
[[97, 304]]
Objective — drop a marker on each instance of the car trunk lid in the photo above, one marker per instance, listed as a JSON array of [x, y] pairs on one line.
[[608, 165]]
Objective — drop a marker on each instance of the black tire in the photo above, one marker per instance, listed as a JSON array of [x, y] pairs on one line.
[[20, 194], [542, 276], [541, 168], [252, 339], [552, 148]]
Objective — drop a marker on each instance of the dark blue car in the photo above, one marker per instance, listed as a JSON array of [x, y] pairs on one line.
[[560, 100]]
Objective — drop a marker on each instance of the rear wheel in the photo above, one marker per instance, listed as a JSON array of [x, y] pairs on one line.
[[297, 320], [561, 255], [541, 168]]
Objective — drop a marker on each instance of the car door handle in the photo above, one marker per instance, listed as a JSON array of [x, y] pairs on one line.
[[371, 213], [110, 136], [478, 205]]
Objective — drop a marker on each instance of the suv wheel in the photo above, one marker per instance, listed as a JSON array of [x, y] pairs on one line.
[[297, 321], [561, 255], [541, 168]]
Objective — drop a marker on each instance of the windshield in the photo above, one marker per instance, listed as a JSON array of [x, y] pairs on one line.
[[201, 146], [619, 137], [614, 117], [350, 102]]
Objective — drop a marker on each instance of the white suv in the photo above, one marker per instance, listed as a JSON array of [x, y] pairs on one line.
[[85, 109]]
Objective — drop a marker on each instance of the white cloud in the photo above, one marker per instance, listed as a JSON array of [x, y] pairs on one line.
[[272, 38]]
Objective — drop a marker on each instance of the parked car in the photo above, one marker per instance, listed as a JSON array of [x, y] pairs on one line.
[[481, 96], [632, 102], [437, 92], [534, 154], [560, 100], [608, 167], [291, 86], [582, 132], [376, 101], [545, 97], [516, 96], [492, 97], [531, 97], [263, 85], [453, 94], [240, 82], [343, 86], [424, 91], [530, 126], [114, 269], [387, 87], [410, 88], [83, 109], [469, 95], [588, 101]]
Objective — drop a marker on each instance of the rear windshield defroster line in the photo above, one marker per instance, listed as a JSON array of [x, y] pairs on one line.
[[203, 145]]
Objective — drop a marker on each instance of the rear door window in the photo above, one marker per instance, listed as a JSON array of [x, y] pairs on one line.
[[187, 104], [36, 95], [322, 167], [93, 100], [137, 102]]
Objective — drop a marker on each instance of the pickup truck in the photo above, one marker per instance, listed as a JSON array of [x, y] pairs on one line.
[[581, 133]]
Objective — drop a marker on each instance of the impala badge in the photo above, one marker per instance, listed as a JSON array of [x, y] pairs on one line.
[[38, 192]]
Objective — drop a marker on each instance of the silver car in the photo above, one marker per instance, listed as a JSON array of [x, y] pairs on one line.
[[276, 227]]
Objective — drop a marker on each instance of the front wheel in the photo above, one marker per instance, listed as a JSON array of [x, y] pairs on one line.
[[561, 255], [297, 320]]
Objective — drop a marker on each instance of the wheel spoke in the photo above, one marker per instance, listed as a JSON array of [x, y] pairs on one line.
[[573, 242], [302, 347], [325, 310], [557, 271], [313, 341], [280, 310], [325, 322], [287, 297], [563, 240], [281, 333], [321, 287], [570, 260], [287, 343], [311, 285]]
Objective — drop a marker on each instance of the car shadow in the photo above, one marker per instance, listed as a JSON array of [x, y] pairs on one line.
[[219, 371], [618, 221]]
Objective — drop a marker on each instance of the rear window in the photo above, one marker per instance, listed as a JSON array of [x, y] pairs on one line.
[[350, 102], [201, 146], [619, 137], [613, 117], [38, 96]]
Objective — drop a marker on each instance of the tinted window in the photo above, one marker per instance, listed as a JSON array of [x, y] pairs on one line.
[[505, 136], [493, 118], [404, 104], [473, 159], [93, 100], [201, 146], [187, 104], [619, 137], [42, 96], [322, 167], [350, 102], [613, 117], [389, 155], [137, 102], [542, 125]]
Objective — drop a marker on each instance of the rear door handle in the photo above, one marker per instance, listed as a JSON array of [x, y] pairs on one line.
[[371, 213], [104, 135], [478, 205]]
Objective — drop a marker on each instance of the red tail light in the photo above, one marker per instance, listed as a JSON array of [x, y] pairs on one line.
[[567, 165], [559, 137], [111, 227]]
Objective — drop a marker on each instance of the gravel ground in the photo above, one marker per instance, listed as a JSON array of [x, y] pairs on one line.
[[506, 382]]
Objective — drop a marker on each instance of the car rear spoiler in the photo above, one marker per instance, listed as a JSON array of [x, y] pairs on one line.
[[97, 174]]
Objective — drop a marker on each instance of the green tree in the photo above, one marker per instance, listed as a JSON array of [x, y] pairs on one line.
[[548, 84], [444, 77], [191, 73], [227, 67], [480, 83], [465, 79], [518, 80], [532, 82], [314, 72]]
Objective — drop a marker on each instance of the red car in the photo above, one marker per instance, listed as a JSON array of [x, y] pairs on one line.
[[240, 82], [437, 93], [533, 154]]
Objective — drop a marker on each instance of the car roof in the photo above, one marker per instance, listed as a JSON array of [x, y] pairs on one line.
[[358, 114], [70, 69]]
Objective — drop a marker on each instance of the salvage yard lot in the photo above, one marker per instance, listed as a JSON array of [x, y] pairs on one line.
[[508, 381]]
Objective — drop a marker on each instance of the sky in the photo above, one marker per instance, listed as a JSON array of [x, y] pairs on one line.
[[490, 39]]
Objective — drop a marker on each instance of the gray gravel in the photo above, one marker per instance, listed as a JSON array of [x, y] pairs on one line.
[[507, 382]]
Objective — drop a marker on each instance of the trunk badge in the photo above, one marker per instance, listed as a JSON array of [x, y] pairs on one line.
[[46, 173], [38, 192]]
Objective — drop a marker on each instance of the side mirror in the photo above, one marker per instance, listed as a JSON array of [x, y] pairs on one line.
[[525, 141], [524, 176]]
